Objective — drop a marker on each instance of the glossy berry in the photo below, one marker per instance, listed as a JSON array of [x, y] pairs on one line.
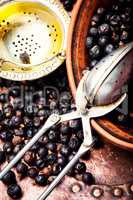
[[88, 178], [8, 147], [42, 152], [9, 178], [15, 92], [32, 172], [104, 29], [22, 168], [17, 148], [52, 135], [3, 98], [95, 52], [15, 121], [51, 158], [14, 191], [93, 63], [94, 31], [57, 169], [80, 168], [41, 180], [89, 42], [61, 161], [64, 138], [68, 5], [100, 11], [51, 146], [2, 157], [65, 129], [1, 115], [6, 136], [103, 40], [95, 20], [40, 163], [29, 157], [74, 143], [115, 20], [29, 133], [65, 150], [124, 36], [109, 49]]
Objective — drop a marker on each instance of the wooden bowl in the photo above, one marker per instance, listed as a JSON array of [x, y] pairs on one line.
[[77, 60]]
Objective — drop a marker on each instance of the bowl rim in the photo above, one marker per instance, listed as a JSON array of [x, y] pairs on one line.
[[21, 72], [105, 134]]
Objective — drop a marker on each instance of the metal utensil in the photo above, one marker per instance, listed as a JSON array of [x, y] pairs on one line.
[[33, 37], [104, 82], [87, 143]]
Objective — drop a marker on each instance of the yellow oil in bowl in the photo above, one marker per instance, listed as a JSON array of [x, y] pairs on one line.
[[32, 39]]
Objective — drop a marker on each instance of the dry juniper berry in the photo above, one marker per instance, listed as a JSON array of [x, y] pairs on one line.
[[51, 158], [89, 42], [6, 136], [40, 163], [3, 98], [41, 179], [53, 136], [42, 152], [62, 160], [74, 143], [51, 146], [56, 169], [2, 157], [87, 178], [14, 191], [8, 147], [95, 52], [9, 178], [80, 168], [22, 169], [32, 172], [65, 150]]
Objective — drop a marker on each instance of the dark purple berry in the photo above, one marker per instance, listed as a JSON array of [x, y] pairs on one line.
[[109, 49], [100, 11], [22, 168], [65, 150], [95, 52], [95, 20], [41, 180], [3, 98], [103, 40], [51, 158], [88, 178], [89, 42], [8, 147], [9, 178], [40, 163], [93, 63], [32, 172], [104, 29], [53, 136], [74, 143], [42, 152], [80, 168], [6, 136], [62, 160], [93, 31], [51, 146], [2, 157], [57, 169], [14, 191]]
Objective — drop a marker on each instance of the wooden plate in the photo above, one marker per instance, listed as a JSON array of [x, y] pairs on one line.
[[77, 60]]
